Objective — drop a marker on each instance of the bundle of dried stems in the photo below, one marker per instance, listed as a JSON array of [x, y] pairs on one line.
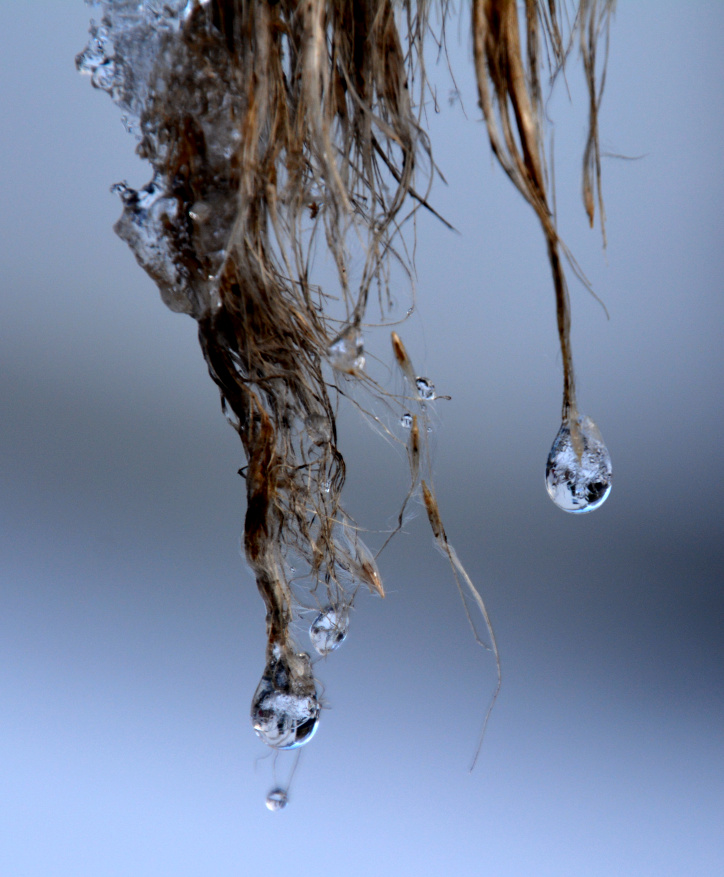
[[278, 129]]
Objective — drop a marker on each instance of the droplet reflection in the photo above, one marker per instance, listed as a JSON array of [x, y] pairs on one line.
[[346, 352], [285, 709], [578, 479]]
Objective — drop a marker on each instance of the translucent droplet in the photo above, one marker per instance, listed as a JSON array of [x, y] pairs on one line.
[[578, 479], [285, 709], [346, 352], [406, 421], [277, 799], [425, 388], [329, 629]]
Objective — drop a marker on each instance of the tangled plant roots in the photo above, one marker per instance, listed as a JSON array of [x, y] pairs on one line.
[[276, 130]]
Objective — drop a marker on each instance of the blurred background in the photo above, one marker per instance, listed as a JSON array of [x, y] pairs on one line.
[[131, 634]]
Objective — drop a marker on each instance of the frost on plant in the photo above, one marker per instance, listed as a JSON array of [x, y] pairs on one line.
[[276, 131]]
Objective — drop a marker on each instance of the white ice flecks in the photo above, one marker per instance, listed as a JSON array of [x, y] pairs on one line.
[[578, 470], [329, 629], [285, 709], [346, 352]]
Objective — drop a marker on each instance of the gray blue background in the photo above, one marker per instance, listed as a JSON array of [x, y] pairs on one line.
[[131, 636]]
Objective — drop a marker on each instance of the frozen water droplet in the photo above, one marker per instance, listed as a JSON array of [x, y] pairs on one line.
[[578, 480], [406, 421], [329, 629], [346, 352], [425, 389], [285, 709], [277, 799]]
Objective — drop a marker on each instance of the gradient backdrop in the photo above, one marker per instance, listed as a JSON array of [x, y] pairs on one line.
[[131, 635]]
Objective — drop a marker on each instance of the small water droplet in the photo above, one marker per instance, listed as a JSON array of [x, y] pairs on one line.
[[277, 799], [425, 388], [285, 709], [329, 629], [346, 352], [578, 483], [406, 421]]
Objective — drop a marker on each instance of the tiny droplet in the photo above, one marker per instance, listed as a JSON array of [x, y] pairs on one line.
[[277, 799], [425, 388], [284, 709], [406, 421]]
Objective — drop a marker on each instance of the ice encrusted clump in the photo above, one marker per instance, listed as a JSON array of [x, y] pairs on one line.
[[167, 67], [123, 48]]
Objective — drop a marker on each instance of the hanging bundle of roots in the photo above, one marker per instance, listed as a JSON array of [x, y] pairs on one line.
[[278, 131]]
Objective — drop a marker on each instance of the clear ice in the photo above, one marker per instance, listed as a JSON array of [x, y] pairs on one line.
[[329, 629], [179, 224], [578, 480], [346, 352], [277, 799], [285, 709]]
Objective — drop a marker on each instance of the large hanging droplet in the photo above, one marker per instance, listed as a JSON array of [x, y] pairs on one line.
[[277, 799], [346, 352], [285, 709], [578, 471], [329, 629]]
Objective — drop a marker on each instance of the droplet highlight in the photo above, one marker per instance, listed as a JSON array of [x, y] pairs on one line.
[[284, 709], [329, 630], [277, 799], [578, 470]]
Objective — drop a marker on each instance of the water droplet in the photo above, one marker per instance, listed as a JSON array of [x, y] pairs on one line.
[[425, 388], [285, 709], [406, 421], [578, 479], [329, 629], [277, 799], [346, 352]]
